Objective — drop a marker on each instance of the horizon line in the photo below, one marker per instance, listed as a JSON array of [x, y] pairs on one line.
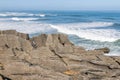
[[56, 10]]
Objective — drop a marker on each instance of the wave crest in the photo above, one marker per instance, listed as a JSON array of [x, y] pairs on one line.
[[15, 14], [18, 14], [27, 27], [23, 19], [83, 30]]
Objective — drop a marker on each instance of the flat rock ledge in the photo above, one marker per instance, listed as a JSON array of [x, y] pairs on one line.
[[52, 57]]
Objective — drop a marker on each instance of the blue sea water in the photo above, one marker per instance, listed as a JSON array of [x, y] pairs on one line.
[[90, 29]]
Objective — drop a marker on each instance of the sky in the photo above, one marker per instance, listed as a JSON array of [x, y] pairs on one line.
[[59, 4]]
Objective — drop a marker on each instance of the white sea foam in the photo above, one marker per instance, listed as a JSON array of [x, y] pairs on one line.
[[27, 27], [87, 25], [80, 29], [15, 14], [41, 15], [93, 34], [23, 19], [91, 45], [3, 15], [20, 14], [113, 54], [83, 30]]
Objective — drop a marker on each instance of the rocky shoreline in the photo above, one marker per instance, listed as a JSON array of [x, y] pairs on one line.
[[52, 57]]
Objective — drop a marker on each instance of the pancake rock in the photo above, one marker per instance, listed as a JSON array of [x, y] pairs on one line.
[[52, 57]]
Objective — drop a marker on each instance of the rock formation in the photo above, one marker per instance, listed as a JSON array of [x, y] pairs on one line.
[[52, 57]]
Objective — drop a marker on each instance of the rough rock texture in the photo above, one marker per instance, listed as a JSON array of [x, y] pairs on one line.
[[105, 50], [52, 57]]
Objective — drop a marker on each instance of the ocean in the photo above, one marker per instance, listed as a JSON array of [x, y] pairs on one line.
[[90, 29]]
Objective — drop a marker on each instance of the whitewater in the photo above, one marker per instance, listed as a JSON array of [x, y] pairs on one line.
[[88, 29]]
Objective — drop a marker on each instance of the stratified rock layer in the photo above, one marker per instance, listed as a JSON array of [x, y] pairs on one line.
[[52, 57]]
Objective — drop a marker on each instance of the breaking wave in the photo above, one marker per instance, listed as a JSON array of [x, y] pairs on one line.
[[81, 30], [27, 27], [23, 19], [15, 14], [18, 14], [89, 31]]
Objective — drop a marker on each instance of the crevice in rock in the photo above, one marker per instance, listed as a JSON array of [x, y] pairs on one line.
[[98, 59], [109, 67], [74, 60], [116, 75], [33, 44], [59, 57], [19, 49], [4, 77], [1, 66], [63, 44], [30, 74], [113, 76], [86, 73], [25, 61], [13, 52], [93, 74], [20, 44], [95, 70], [26, 74], [28, 37], [96, 64], [60, 41], [117, 62], [6, 45], [95, 78]]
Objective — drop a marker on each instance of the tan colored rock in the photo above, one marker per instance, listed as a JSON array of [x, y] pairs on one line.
[[116, 58], [3, 41], [15, 33], [9, 32], [109, 61], [105, 50], [68, 49], [53, 57], [50, 40], [23, 35], [38, 41], [79, 50], [25, 45], [64, 39], [38, 73], [1, 78], [12, 41], [47, 59]]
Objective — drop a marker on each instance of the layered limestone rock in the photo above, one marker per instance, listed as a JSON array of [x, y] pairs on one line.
[[52, 57]]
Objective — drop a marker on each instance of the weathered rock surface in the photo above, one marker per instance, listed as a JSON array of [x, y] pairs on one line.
[[52, 57], [105, 50]]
